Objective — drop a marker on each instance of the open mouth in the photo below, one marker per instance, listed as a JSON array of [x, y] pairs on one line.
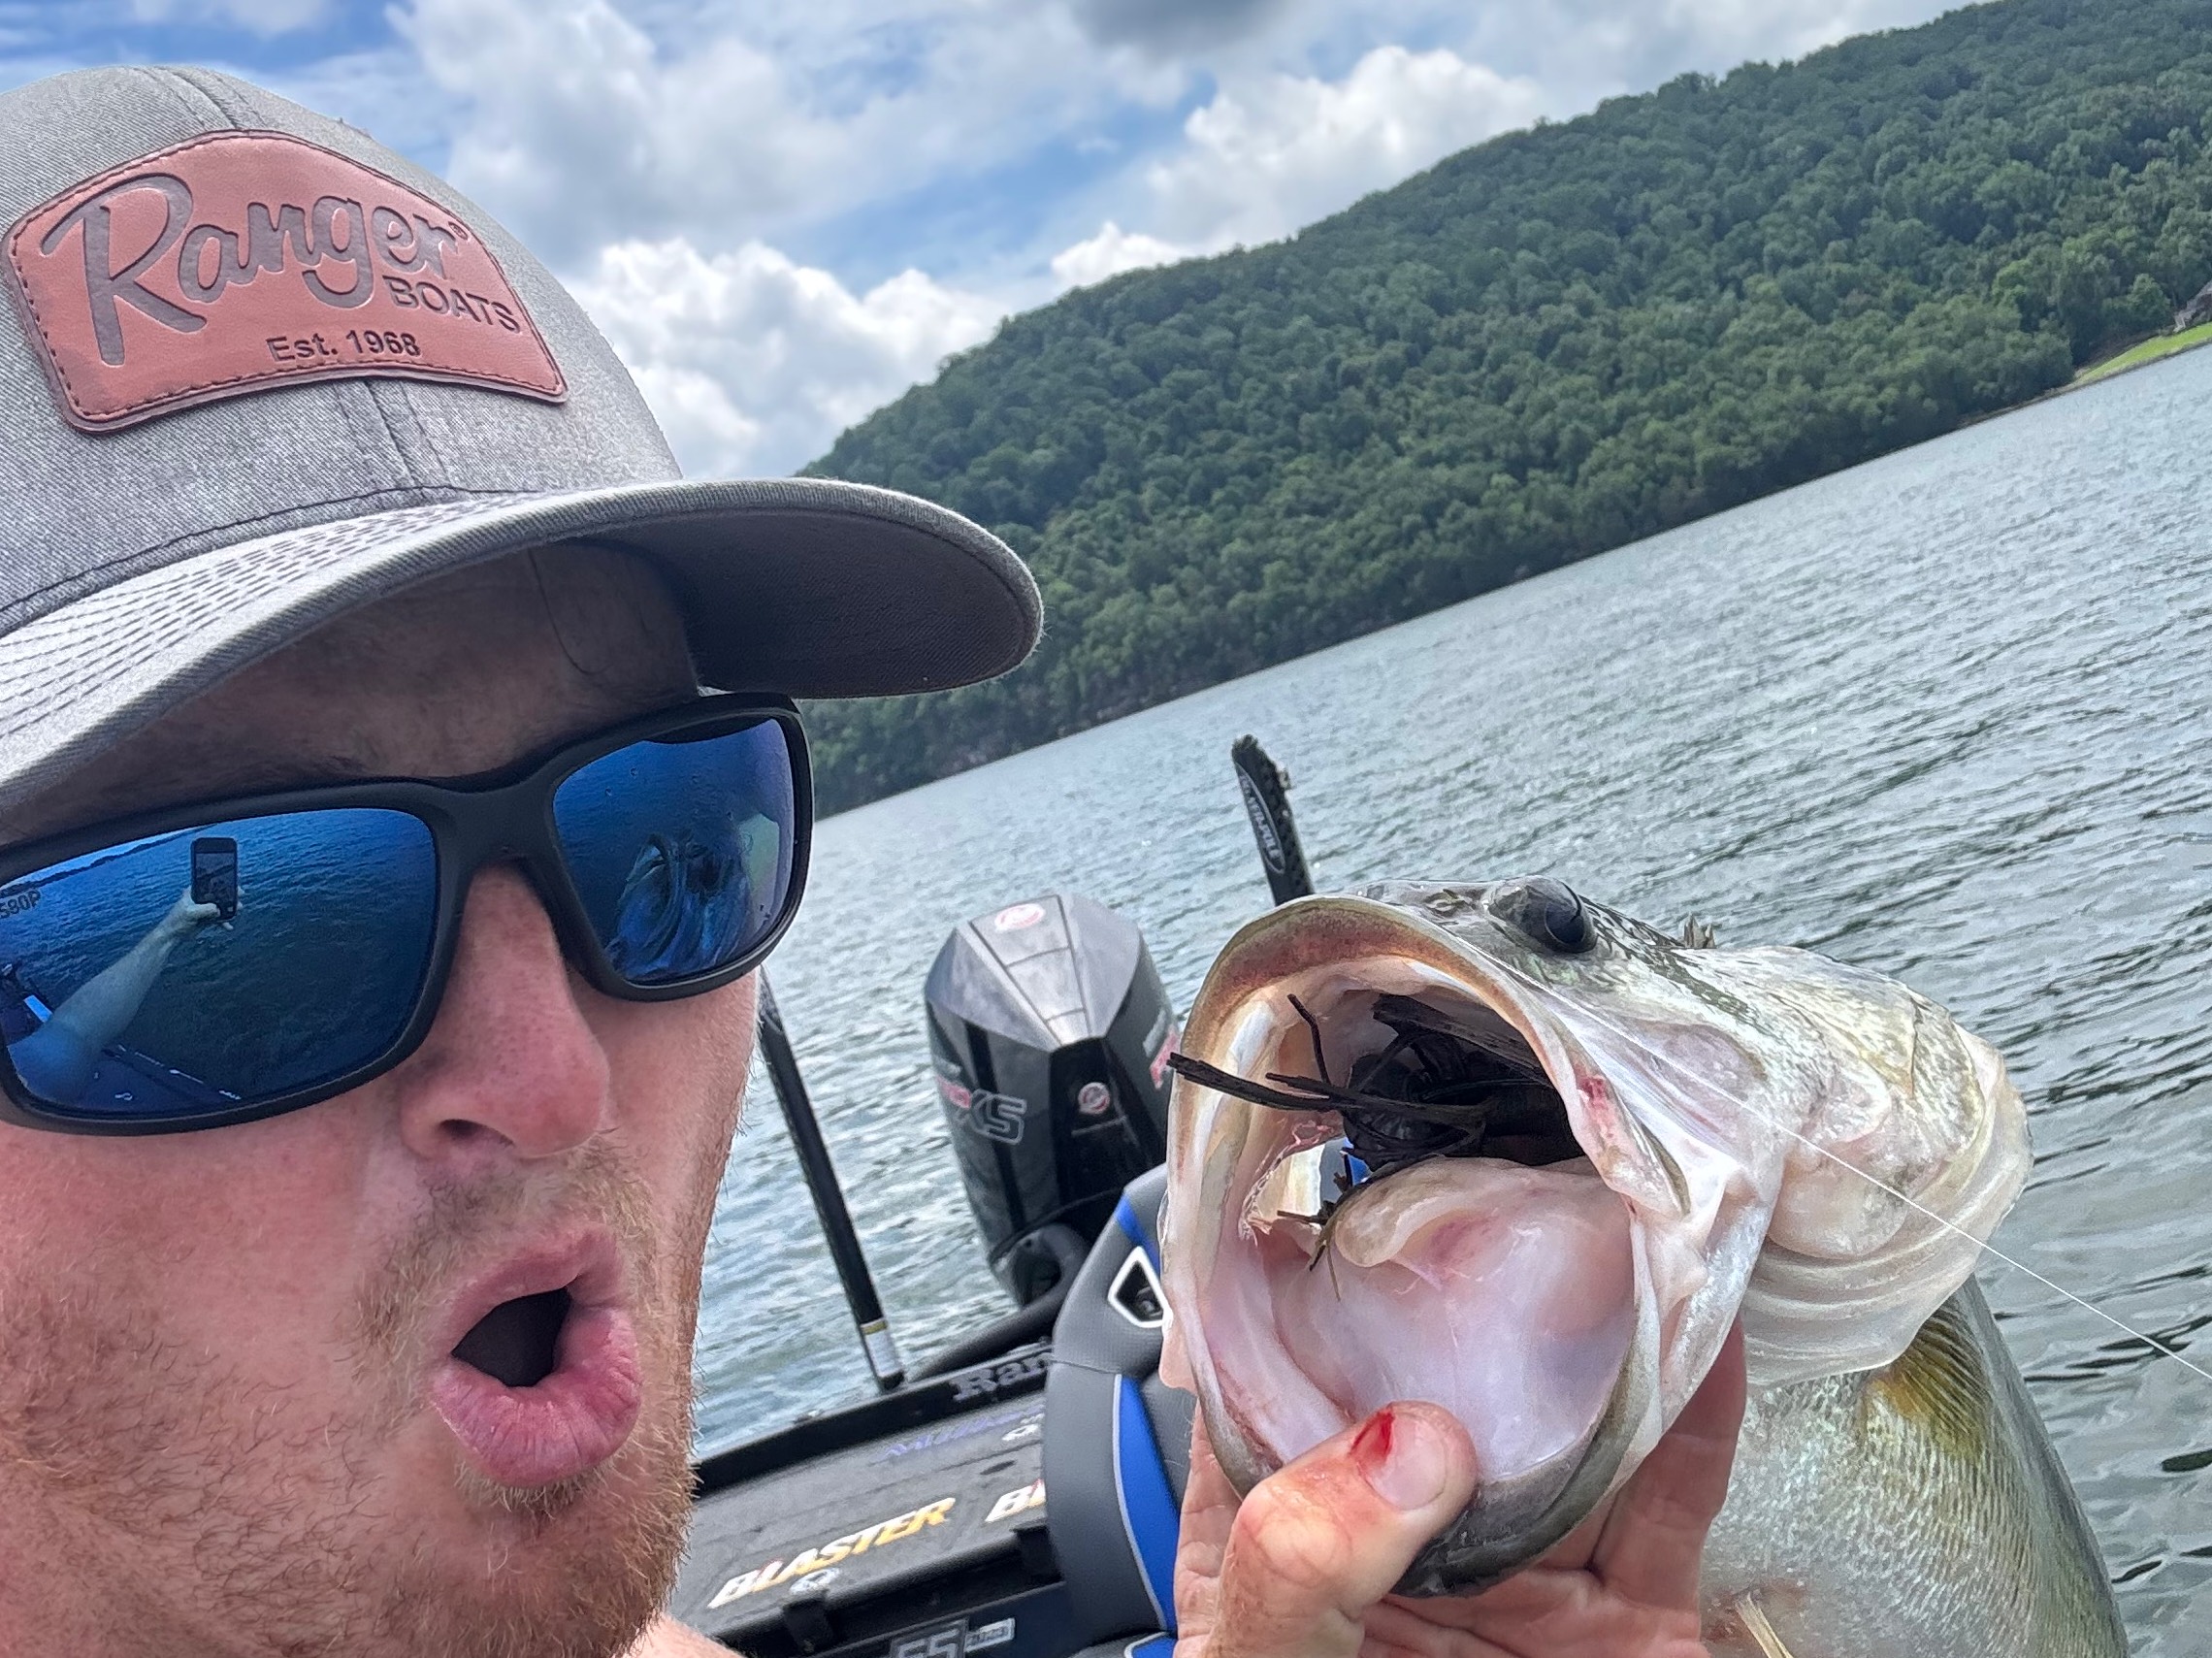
[[1411, 1217], [547, 1383], [517, 1343]]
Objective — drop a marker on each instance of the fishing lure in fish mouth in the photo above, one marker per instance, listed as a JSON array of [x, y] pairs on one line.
[[1437, 1091], [1552, 1154]]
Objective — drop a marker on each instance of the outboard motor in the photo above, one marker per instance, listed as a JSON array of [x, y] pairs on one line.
[[1050, 1031]]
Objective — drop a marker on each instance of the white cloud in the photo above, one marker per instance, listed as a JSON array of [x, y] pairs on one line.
[[1108, 253], [1580, 51], [1783, 28], [261, 17], [753, 362], [1277, 151], [581, 127], [577, 131], [668, 148], [1165, 25], [1282, 151]]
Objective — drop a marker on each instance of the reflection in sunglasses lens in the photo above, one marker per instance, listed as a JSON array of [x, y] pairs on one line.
[[681, 850], [216, 965]]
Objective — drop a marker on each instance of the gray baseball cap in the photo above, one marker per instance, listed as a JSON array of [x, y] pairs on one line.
[[259, 371]]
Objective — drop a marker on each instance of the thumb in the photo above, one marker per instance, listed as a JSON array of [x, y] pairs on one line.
[[1318, 1544]]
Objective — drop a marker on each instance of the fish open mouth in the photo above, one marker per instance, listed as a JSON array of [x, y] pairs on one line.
[[1486, 1146], [1410, 1216], [518, 1342]]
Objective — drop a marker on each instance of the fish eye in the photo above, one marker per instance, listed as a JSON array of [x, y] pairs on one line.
[[1548, 914]]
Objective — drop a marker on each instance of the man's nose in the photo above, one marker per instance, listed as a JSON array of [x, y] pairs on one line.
[[511, 1070]]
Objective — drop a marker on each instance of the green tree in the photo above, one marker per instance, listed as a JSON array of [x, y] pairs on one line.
[[1547, 345]]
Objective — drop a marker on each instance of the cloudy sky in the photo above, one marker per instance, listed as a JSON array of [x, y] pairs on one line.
[[786, 212]]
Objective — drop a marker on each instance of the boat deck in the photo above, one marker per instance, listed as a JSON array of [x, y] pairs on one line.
[[885, 1527]]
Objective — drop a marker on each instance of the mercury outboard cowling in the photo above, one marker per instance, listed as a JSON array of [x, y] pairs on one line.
[[1050, 1031]]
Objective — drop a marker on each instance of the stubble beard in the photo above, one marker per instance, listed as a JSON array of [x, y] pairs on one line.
[[204, 1519]]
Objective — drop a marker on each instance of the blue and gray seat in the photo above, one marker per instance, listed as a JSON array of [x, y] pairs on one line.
[[1117, 1447]]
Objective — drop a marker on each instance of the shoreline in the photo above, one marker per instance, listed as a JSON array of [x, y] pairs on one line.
[[2126, 362], [2158, 348]]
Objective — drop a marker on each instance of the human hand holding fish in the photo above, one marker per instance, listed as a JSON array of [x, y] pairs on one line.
[[1302, 1567], [1531, 1160]]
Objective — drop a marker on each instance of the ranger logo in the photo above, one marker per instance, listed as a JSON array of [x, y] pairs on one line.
[[248, 259]]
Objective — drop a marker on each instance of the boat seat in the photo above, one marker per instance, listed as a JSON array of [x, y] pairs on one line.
[[1117, 1447], [1131, 1646]]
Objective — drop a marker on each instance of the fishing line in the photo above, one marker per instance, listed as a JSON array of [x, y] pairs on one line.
[[2170, 1350], [2021, 1267], [2165, 1348]]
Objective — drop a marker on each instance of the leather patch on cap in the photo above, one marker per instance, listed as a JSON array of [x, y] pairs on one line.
[[244, 260]]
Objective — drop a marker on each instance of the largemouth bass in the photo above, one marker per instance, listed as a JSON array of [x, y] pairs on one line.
[[1528, 1159]]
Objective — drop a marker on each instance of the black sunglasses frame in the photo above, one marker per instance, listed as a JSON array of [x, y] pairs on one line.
[[496, 817]]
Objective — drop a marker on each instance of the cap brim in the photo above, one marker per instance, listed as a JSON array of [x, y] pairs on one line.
[[807, 586]]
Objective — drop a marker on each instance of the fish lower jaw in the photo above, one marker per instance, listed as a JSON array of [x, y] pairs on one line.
[[1509, 1522], [1505, 1294]]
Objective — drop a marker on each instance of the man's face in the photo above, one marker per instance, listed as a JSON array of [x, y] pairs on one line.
[[231, 1420]]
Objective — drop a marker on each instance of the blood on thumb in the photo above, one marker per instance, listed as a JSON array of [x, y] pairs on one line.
[[1318, 1544]]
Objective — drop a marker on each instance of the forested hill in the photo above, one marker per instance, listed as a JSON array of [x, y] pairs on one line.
[[1544, 346]]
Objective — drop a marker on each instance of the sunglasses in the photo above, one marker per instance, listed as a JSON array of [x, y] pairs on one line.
[[218, 964]]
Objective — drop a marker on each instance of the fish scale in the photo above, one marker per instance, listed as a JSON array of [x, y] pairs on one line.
[[1930, 1495]]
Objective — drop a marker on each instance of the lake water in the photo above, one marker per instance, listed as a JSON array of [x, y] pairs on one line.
[[1948, 715]]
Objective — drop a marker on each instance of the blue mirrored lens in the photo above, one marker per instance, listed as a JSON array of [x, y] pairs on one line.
[[681, 850], [217, 966]]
